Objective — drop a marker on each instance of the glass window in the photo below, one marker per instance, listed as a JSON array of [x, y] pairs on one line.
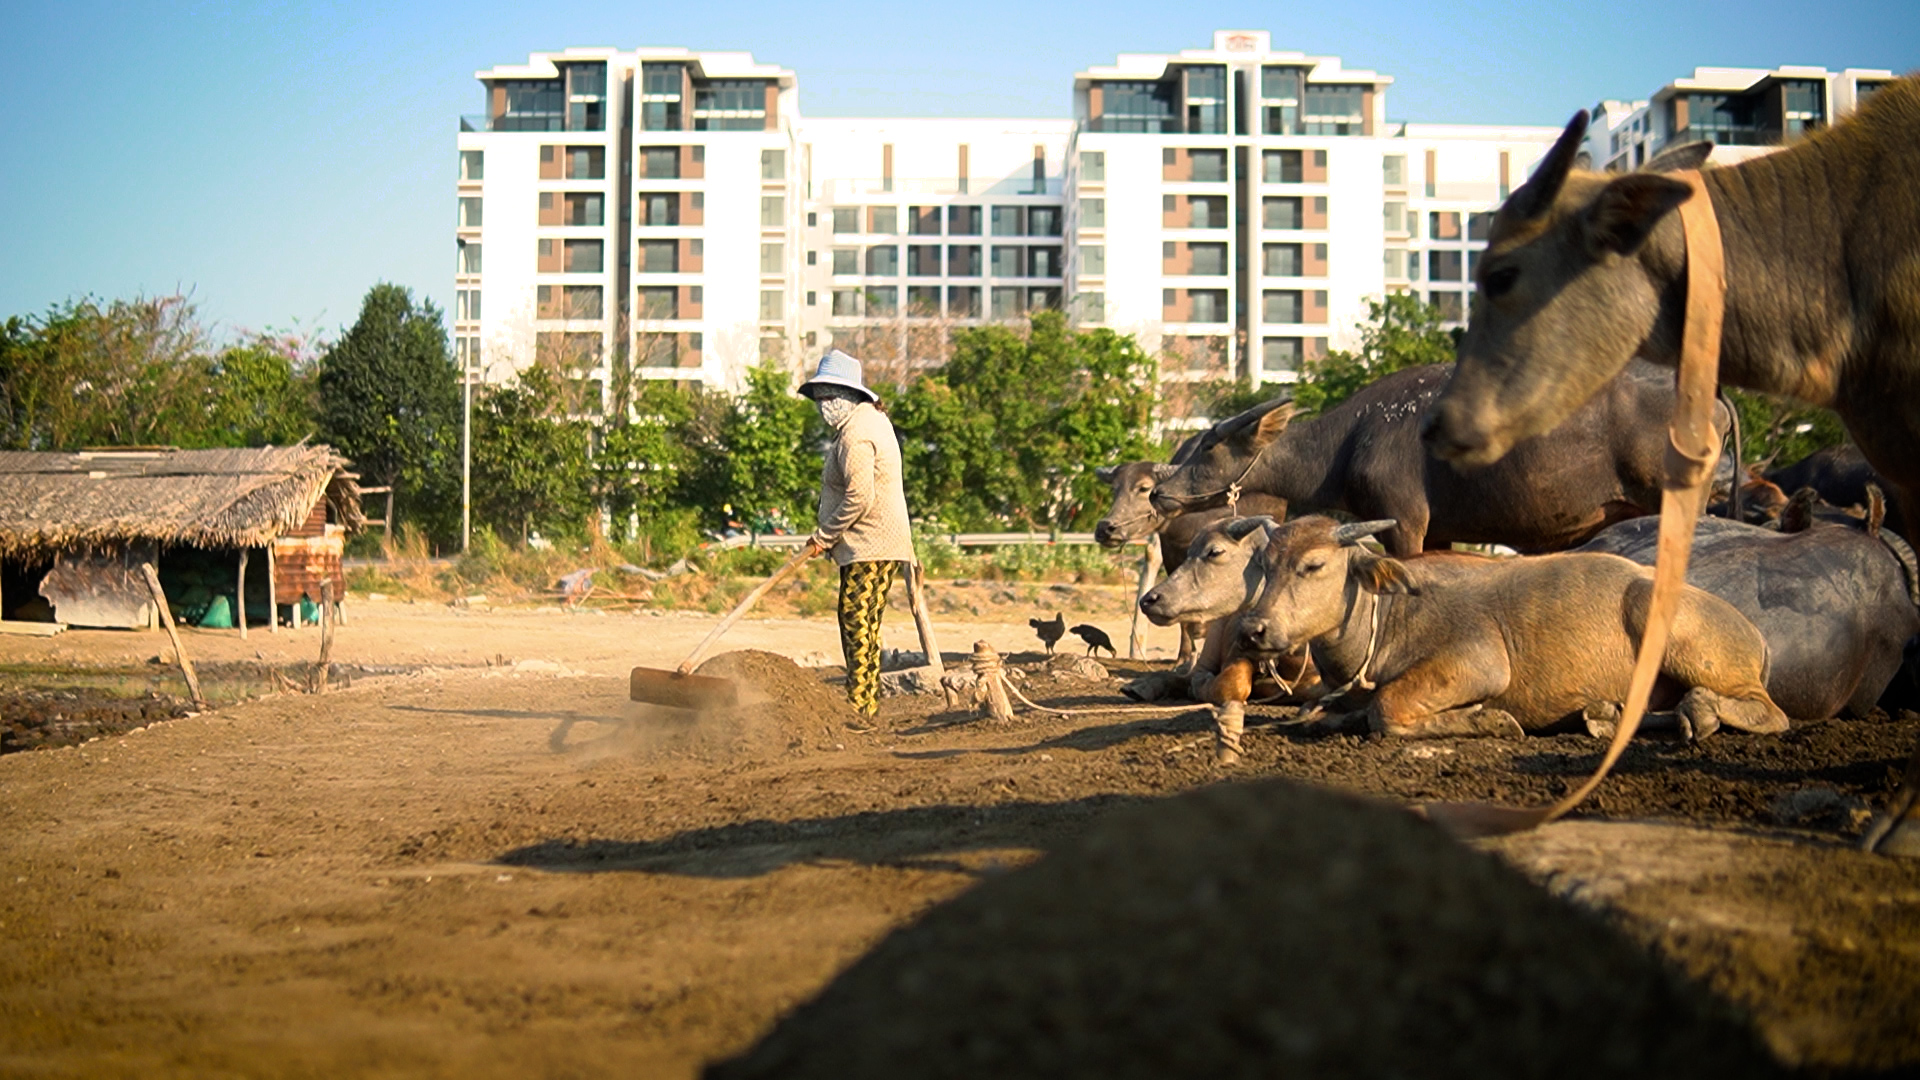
[[773, 258], [1006, 261], [1209, 305], [659, 256], [531, 105], [963, 221], [1043, 298], [1044, 262], [883, 300], [1480, 225], [469, 212], [1208, 259], [1093, 166], [659, 302], [1093, 213], [1280, 84], [1137, 106], [1093, 306], [846, 260], [1284, 212], [963, 260], [1395, 214], [883, 261], [1281, 354], [587, 208], [1394, 263], [1443, 225], [773, 164], [1008, 302], [469, 258], [886, 220], [773, 211], [963, 301], [1283, 260], [1207, 166], [1334, 110], [923, 260], [660, 162], [1043, 221], [923, 220], [582, 302], [1281, 167], [1207, 212], [473, 164], [659, 207], [1393, 169], [773, 304], [1450, 305], [1443, 266], [584, 256], [466, 304], [1006, 221], [586, 163], [1093, 259], [846, 301], [846, 219], [923, 301], [1282, 306]]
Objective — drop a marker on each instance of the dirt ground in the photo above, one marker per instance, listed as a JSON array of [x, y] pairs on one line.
[[497, 865]]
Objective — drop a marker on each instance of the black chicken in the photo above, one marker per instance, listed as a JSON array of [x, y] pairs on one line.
[[1050, 631], [1095, 638]]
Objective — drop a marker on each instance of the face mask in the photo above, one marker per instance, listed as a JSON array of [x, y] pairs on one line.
[[835, 410]]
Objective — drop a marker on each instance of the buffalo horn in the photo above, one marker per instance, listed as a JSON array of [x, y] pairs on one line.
[[1163, 470], [1360, 530]]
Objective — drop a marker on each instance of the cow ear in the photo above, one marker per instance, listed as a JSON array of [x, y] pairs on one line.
[[1536, 195], [1187, 447], [1799, 512], [1105, 473], [1238, 528], [1677, 158], [1876, 509], [1271, 425], [1627, 210], [1162, 470], [1383, 574]]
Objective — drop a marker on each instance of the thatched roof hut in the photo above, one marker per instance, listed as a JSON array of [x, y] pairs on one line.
[[203, 498], [95, 515]]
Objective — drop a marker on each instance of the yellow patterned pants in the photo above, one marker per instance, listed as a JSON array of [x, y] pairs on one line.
[[863, 597]]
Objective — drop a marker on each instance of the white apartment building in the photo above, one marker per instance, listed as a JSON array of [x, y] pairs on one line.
[[1235, 207]]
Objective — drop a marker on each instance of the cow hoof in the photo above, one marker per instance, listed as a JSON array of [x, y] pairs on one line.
[[1602, 719], [1899, 837], [1500, 724], [1699, 715]]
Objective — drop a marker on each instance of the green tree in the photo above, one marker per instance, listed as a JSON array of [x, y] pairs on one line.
[[530, 461], [390, 400], [1777, 432], [130, 372], [771, 464], [262, 392], [1399, 332]]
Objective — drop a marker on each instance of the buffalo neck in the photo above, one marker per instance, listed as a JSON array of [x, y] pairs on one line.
[[1340, 653], [1299, 465]]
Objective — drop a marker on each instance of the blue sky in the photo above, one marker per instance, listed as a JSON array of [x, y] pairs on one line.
[[277, 159]]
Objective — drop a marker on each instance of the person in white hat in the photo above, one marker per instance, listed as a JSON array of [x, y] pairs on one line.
[[863, 515]]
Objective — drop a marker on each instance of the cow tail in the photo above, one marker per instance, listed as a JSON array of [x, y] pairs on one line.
[[1909, 566]]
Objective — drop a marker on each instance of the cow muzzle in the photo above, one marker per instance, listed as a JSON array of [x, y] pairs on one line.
[[1259, 635]]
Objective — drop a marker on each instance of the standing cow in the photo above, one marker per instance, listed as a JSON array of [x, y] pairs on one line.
[[1584, 271], [1364, 456]]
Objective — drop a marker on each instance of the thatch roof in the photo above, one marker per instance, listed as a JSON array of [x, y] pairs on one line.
[[204, 498]]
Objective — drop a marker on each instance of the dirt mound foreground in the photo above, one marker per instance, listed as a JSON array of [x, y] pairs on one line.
[[1257, 930]]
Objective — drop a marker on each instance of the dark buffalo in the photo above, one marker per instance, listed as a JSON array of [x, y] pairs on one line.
[[1364, 456]]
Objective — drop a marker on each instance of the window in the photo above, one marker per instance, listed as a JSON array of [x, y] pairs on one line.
[[1093, 213], [1282, 213], [1043, 298], [659, 256], [1006, 261], [1043, 221], [773, 304], [963, 260], [1208, 305], [1451, 308], [846, 219], [883, 300], [963, 301], [469, 258], [1043, 262], [1480, 226], [1281, 167], [885, 219], [585, 208], [730, 105], [1207, 166], [883, 261], [923, 301], [574, 352], [1207, 212], [812, 219], [586, 163], [1335, 110], [1443, 225], [923, 260], [773, 211], [531, 105], [658, 207], [1394, 263], [659, 303], [1282, 306], [846, 301], [963, 221], [1208, 259], [1138, 106], [773, 164], [1283, 260], [1279, 355], [1443, 266], [1093, 166], [470, 212], [1093, 306], [466, 305], [1006, 221], [923, 220], [473, 164], [1008, 302], [467, 351], [1280, 91], [813, 258], [578, 301], [1093, 259], [1280, 84], [584, 256], [1473, 265], [1393, 170], [1207, 100], [846, 260], [660, 162], [773, 258]]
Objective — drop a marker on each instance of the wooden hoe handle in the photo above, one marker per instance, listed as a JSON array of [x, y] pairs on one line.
[[746, 602]]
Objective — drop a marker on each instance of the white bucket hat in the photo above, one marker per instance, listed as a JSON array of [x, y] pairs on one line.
[[837, 369]]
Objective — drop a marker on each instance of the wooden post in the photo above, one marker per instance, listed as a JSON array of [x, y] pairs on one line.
[[179, 650], [273, 595], [319, 681], [240, 597], [1149, 572], [991, 676], [922, 619]]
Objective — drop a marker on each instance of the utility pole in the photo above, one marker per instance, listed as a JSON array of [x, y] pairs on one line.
[[466, 453]]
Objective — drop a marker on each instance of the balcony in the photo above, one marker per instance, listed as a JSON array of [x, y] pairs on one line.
[[855, 189]]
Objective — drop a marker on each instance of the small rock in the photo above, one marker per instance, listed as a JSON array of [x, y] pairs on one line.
[[919, 680], [897, 659]]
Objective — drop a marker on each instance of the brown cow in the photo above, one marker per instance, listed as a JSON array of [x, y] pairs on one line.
[[1822, 243], [1498, 646]]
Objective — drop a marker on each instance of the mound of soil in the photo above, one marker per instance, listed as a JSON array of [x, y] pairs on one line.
[[34, 718], [784, 710], [1264, 929]]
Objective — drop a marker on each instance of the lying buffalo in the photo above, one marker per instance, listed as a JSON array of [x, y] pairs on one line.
[[1364, 456], [1132, 518], [1584, 271], [1468, 646], [1837, 604], [1219, 577]]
